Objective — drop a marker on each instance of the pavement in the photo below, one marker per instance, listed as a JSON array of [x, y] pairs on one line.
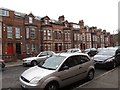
[[12, 64], [109, 79]]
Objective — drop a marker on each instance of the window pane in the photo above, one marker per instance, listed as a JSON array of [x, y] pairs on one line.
[[30, 20], [32, 33], [33, 47], [27, 48], [27, 32], [17, 32], [4, 12], [9, 32], [49, 34]]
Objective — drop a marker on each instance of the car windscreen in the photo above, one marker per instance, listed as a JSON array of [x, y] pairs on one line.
[[53, 62], [107, 52], [42, 54]]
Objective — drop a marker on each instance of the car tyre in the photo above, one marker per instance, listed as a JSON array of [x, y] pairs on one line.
[[33, 63], [90, 75], [52, 86]]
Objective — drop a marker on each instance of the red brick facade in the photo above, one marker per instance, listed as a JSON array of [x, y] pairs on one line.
[[26, 35]]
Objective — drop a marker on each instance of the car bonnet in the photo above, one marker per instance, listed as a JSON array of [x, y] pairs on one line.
[[101, 57], [30, 58], [36, 71]]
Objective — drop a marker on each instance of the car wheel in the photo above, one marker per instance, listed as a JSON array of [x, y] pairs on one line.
[[33, 63], [90, 75], [52, 86]]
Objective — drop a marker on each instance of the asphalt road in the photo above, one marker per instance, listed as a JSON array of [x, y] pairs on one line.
[[10, 78]]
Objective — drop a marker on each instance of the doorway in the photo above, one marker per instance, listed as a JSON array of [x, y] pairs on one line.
[[18, 50]]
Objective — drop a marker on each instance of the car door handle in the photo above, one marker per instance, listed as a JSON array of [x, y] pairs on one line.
[[80, 67]]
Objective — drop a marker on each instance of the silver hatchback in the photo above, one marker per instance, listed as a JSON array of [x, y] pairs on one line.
[[58, 71]]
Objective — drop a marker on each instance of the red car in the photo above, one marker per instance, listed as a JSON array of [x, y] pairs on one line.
[[2, 63]]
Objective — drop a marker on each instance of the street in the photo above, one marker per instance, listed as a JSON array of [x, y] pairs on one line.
[[10, 78]]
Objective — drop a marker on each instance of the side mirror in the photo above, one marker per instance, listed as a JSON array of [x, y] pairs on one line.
[[49, 56], [65, 68]]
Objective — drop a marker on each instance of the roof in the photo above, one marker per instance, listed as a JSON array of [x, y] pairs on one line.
[[70, 54]]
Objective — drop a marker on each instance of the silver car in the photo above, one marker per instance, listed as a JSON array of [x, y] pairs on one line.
[[58, 71], [73, 50], [36, 60]]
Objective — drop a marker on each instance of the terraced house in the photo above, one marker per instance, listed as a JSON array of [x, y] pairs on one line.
[[23, 35]]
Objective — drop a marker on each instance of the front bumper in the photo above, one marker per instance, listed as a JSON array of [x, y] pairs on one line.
[[27, 85], [26, 62]]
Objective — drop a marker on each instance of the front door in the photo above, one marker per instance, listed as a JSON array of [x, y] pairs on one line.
[[18, 50], [10, 48], [71, 74]]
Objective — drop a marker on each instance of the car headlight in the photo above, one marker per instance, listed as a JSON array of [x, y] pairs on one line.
[[35, 80], [109, 60], [24, 60]]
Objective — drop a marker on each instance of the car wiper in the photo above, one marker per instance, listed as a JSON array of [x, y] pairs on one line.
[[46, 67], [50, 68]]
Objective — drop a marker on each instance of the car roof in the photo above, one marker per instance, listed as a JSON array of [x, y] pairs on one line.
[[48, 51], [70, 54]]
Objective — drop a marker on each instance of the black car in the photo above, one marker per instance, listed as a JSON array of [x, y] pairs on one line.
[[91, 51], [117, 57], [107, 58]]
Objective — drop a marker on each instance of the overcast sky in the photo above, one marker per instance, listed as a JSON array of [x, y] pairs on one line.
[[100, 13]]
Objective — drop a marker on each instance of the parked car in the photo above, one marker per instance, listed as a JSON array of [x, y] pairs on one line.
[[58, 71], [91, 51], [106, 58], [2, 63], [73, 50], [117, 56], [36, 60], [99, 49]]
